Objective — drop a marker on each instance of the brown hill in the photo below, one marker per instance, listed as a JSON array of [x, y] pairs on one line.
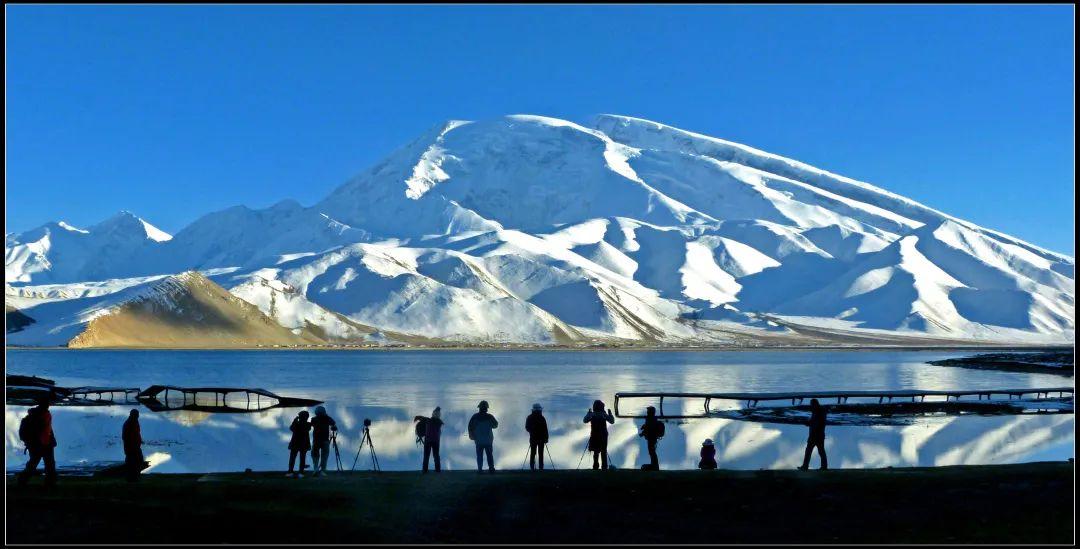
[[186, 311]]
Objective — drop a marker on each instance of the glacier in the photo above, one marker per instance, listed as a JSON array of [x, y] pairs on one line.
[[533, 230]]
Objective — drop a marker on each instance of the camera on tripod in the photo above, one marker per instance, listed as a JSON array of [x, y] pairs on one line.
[[371, 447]]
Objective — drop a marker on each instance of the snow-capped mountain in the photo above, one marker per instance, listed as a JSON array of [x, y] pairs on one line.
[[537, 230], [59, 252]]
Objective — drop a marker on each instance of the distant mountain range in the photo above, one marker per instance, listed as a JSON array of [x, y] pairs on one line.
[[534, 230]]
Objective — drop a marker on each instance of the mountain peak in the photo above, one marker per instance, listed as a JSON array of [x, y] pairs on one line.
[[505, 228]]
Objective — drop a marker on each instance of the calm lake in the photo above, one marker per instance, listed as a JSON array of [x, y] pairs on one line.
[[390, 387]]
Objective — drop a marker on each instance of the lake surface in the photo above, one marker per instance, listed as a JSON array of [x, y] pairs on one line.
[[390, 387]]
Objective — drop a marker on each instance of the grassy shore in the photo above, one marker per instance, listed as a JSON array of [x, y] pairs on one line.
[[1028, 503]]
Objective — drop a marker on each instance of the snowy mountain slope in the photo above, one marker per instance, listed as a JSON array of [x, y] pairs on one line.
[[652, 135], [533, 229], [241, 236], [59, 252]]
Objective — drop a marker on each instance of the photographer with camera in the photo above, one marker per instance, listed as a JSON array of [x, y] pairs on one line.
[[537, 428], [299, 444], [429, 431], [481, 425], [321, 426], [598, 437]]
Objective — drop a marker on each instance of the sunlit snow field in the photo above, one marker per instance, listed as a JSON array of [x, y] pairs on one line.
[[390, 387]]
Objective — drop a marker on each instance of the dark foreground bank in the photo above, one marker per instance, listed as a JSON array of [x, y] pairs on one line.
[[1026, 503]]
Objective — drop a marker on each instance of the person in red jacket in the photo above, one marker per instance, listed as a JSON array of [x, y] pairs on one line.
[[132, 437], [41, 444]]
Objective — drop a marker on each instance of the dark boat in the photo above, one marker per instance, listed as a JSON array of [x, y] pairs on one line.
[[29, 390], [166, 398]]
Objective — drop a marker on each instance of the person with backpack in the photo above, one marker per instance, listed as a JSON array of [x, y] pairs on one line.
[[536, 426], [131, 435], [598, 436], [321, 427], [36, 432], [300, 443], [481, 426], [708, 455], [429, 432], [817, 436], [652, 430]]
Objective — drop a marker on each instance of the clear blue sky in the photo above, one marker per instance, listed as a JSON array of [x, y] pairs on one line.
[[175, 111]]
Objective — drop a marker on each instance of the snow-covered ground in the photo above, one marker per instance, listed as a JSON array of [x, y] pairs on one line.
[[537, 230]]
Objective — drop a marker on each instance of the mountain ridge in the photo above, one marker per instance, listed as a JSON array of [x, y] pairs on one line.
[[529, 229]]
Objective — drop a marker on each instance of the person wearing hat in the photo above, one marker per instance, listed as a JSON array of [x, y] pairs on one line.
[[300, 443], [537, 427], [432, 434], [708, 455], [321, 426], [481, 425]]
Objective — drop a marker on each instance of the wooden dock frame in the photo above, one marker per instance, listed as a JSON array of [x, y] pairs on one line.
[[752, 399]]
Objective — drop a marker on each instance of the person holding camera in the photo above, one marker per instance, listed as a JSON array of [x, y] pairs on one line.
[[537, 428], [300, 443], [481, 426], [321, 426], [598, 437]]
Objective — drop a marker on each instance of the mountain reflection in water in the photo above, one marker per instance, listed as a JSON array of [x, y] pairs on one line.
[[392, 387]]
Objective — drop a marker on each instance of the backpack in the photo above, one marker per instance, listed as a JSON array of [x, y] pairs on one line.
[[421, 429], [26, 428], [654, 430]]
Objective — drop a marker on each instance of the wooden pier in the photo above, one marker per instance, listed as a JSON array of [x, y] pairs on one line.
[[104, 395], [841, 397], [157, 399]]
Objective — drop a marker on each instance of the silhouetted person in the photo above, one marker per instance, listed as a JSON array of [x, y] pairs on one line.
[[432, 435], [481, 425], [652, 430], [321, 427], [708, 455], [40, 443], [817, 436], [536, 425], [132, 438], [598, 420], [300, 443]]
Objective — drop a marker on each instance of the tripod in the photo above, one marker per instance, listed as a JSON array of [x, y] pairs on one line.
[[543, 449], [371, 448], [337, 453], [587, 444]]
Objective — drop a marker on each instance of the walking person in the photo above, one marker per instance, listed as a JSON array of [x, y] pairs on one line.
[[321, 427], [536, 425], [37, 434], [300, 443], [817, 436], [432, 435], [598, 437], [652, 430], [708, 455], [481, 425], [131, 435]]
